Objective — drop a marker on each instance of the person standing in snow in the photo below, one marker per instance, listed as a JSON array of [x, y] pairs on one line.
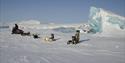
[[77, 36], [75, 39]]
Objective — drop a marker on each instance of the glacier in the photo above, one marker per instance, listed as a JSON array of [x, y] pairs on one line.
[[104, 21]]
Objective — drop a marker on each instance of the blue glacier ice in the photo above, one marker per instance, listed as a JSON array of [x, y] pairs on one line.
[[101, 20]]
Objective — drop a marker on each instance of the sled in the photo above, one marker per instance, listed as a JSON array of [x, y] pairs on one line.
[[47, 39]]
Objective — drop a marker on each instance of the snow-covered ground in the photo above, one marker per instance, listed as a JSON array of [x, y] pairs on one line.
[[107, 45], [91, 49]]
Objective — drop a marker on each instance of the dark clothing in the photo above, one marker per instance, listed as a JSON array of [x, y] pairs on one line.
[[16, 26], [35, 36], [75, 39], [52, 37], [15, 30], [77, 35]]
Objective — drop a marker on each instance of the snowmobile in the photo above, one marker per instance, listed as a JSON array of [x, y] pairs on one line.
[[49, 39]]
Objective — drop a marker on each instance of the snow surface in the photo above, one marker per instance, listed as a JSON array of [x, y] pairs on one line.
[[29, 22], [91, 49], [106, 47]]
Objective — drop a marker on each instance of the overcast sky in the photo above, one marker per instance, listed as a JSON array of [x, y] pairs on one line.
[[58, 11]]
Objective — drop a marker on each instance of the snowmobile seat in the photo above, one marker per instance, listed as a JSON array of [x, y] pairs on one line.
[[69, 41], [35, 36], [26, 34]]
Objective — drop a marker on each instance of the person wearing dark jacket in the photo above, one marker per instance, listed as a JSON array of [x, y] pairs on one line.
[[16, 26], [16, 30], [52, 37]]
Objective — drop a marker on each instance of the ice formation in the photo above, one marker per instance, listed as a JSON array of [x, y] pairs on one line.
[[101, 20]]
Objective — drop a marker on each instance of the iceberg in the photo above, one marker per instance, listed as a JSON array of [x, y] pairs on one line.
[[103, 21]]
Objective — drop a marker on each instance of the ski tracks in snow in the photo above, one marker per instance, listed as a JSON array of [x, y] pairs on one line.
[[43, 58]]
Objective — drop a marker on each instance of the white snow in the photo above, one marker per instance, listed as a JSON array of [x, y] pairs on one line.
[[91, 49], [29, 22], [34, 24]]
